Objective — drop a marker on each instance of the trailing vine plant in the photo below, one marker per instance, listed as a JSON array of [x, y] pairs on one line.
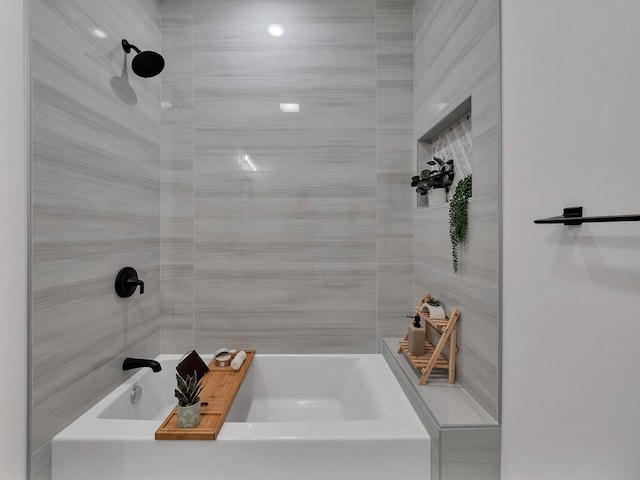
[[458, 218]]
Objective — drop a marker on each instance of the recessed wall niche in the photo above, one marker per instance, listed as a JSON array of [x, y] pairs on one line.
[[450, 138]]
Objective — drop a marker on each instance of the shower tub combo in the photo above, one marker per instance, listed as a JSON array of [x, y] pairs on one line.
[[295, 416]]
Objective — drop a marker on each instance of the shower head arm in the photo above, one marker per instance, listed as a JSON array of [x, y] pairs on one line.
[[144, 64], [127, 46]]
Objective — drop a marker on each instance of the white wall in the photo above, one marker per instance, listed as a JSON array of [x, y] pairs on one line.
[[13, 243], [571, 124]]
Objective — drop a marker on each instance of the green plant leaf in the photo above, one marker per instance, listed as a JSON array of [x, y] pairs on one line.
[[183, 401], [434, 302], [182, 385], [441, 177], [458, 217], [188, 389]]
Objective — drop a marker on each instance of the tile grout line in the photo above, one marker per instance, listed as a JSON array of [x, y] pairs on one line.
[[375, 46]]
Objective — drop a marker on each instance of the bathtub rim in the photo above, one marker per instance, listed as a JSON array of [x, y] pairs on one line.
[[402, 424]]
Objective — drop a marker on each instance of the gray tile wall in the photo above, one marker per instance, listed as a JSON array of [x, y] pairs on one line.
[[395, 164], [285, 254], [95, 194], [470, 453], [41, 463], [312, 251], [456, 56], [176, 177]]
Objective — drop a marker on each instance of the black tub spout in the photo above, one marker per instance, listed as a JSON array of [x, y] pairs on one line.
[[130, 363]]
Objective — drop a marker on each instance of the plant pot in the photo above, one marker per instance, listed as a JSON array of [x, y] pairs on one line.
[[189, 417], [437, 196]]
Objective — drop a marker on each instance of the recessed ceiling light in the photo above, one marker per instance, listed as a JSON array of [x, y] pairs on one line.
[[98, 33], [275, 29], [246, 163], [290, 107]]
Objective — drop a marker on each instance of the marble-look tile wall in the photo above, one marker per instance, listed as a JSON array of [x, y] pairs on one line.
[[95, 195], [286, 252], [456, 57], [176, 177], [286, 231], [395, 165]]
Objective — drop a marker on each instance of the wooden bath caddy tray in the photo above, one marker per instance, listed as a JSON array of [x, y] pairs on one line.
[[220, 388], [447, 332]]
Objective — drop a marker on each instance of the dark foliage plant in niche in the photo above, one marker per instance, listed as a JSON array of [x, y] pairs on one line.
[[441, 177], [458, 217]]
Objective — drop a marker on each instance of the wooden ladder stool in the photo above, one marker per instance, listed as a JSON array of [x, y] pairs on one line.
[[447, 330]]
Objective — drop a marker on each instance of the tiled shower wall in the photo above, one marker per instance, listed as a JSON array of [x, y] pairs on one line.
[[286, 232], [95, 195], [456, 57]]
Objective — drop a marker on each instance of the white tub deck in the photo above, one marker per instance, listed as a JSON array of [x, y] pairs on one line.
[[295, 416]]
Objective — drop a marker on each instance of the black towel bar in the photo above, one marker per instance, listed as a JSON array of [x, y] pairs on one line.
[[573, 216]]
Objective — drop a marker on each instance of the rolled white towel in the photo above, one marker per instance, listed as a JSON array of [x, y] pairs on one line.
[[238, 360], [437, 313]]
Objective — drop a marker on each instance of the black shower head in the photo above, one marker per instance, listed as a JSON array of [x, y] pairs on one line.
[[145, 64]]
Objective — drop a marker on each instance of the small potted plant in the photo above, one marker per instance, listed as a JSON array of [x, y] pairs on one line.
[[434, 307], [188, 394], [435, 182]]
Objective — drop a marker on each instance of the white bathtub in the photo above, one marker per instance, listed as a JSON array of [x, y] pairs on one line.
[[295, 417]]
